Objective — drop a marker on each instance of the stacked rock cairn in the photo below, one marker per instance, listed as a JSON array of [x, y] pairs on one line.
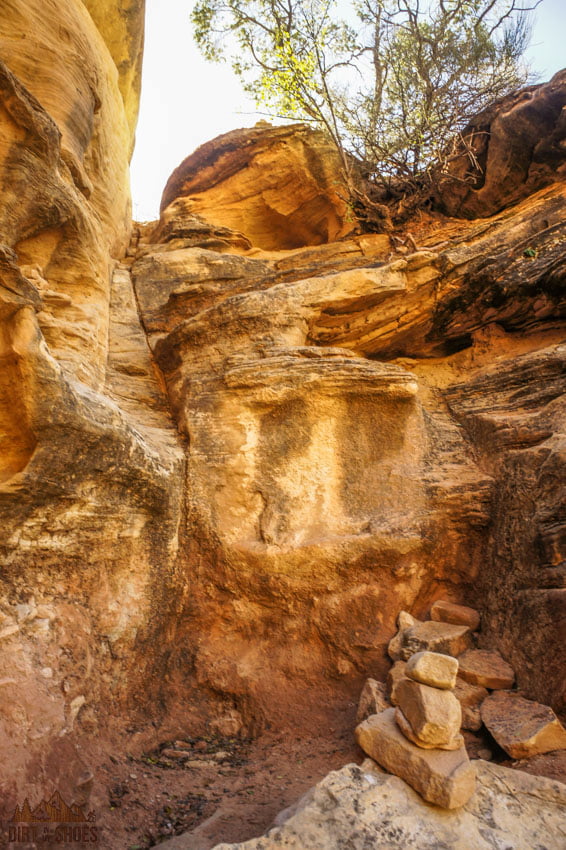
[[440, 683]]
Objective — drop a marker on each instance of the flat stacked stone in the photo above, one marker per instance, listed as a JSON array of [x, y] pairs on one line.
[[394, 677], [404, 622], [373, 700], [470, 698], [444, 638], [446, 778], [433, 668], [458, 615], [486, 668]]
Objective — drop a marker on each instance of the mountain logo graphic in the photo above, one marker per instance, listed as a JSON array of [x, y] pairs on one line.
[[54, 810]]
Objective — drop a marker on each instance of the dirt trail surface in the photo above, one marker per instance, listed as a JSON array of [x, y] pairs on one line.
[[140, 802]]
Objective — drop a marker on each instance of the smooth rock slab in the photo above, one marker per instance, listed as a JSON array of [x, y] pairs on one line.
[[485, 668], [522, 727], [435, 637], [434, 715], [433, 668], [459, 615], [373, 700], [446, 778]]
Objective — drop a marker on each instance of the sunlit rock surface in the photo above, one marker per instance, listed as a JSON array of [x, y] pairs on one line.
[[279, 186], [121, 24], [231, 453], [90, 467], [517, 147], [339, 468]]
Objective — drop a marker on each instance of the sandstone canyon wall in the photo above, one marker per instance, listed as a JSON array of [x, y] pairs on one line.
[[232, 452], [370, 427], [89, 458]]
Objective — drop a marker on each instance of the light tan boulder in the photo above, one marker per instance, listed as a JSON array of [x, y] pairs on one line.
[[453, 743], [373, 699], [460, 615], [470, 698], [433, 668], [435, 637], [435, 715], [441, 777], [485, 668], [522, 727]]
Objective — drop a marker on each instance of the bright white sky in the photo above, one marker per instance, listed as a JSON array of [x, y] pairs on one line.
[[187, 101]]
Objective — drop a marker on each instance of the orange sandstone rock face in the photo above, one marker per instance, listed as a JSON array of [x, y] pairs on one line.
[[333, 400], [88, 460], [279, 186], [518, 146], [360, 432]]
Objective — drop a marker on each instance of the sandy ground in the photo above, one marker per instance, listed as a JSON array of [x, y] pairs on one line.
[[140, 802], [228, 789]]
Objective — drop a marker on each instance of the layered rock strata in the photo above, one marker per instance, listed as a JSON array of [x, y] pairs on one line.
[[313, 470], [335, 466], [214, 516]]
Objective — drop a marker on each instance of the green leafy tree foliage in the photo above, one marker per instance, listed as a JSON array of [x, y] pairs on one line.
[[392, 82]]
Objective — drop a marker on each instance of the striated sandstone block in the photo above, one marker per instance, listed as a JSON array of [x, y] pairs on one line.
[[373, 700], [435, 637], [522, 727], [441, 777], [460, 615], [435, 715], [525, 604], [485, 668], [433, 668]]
